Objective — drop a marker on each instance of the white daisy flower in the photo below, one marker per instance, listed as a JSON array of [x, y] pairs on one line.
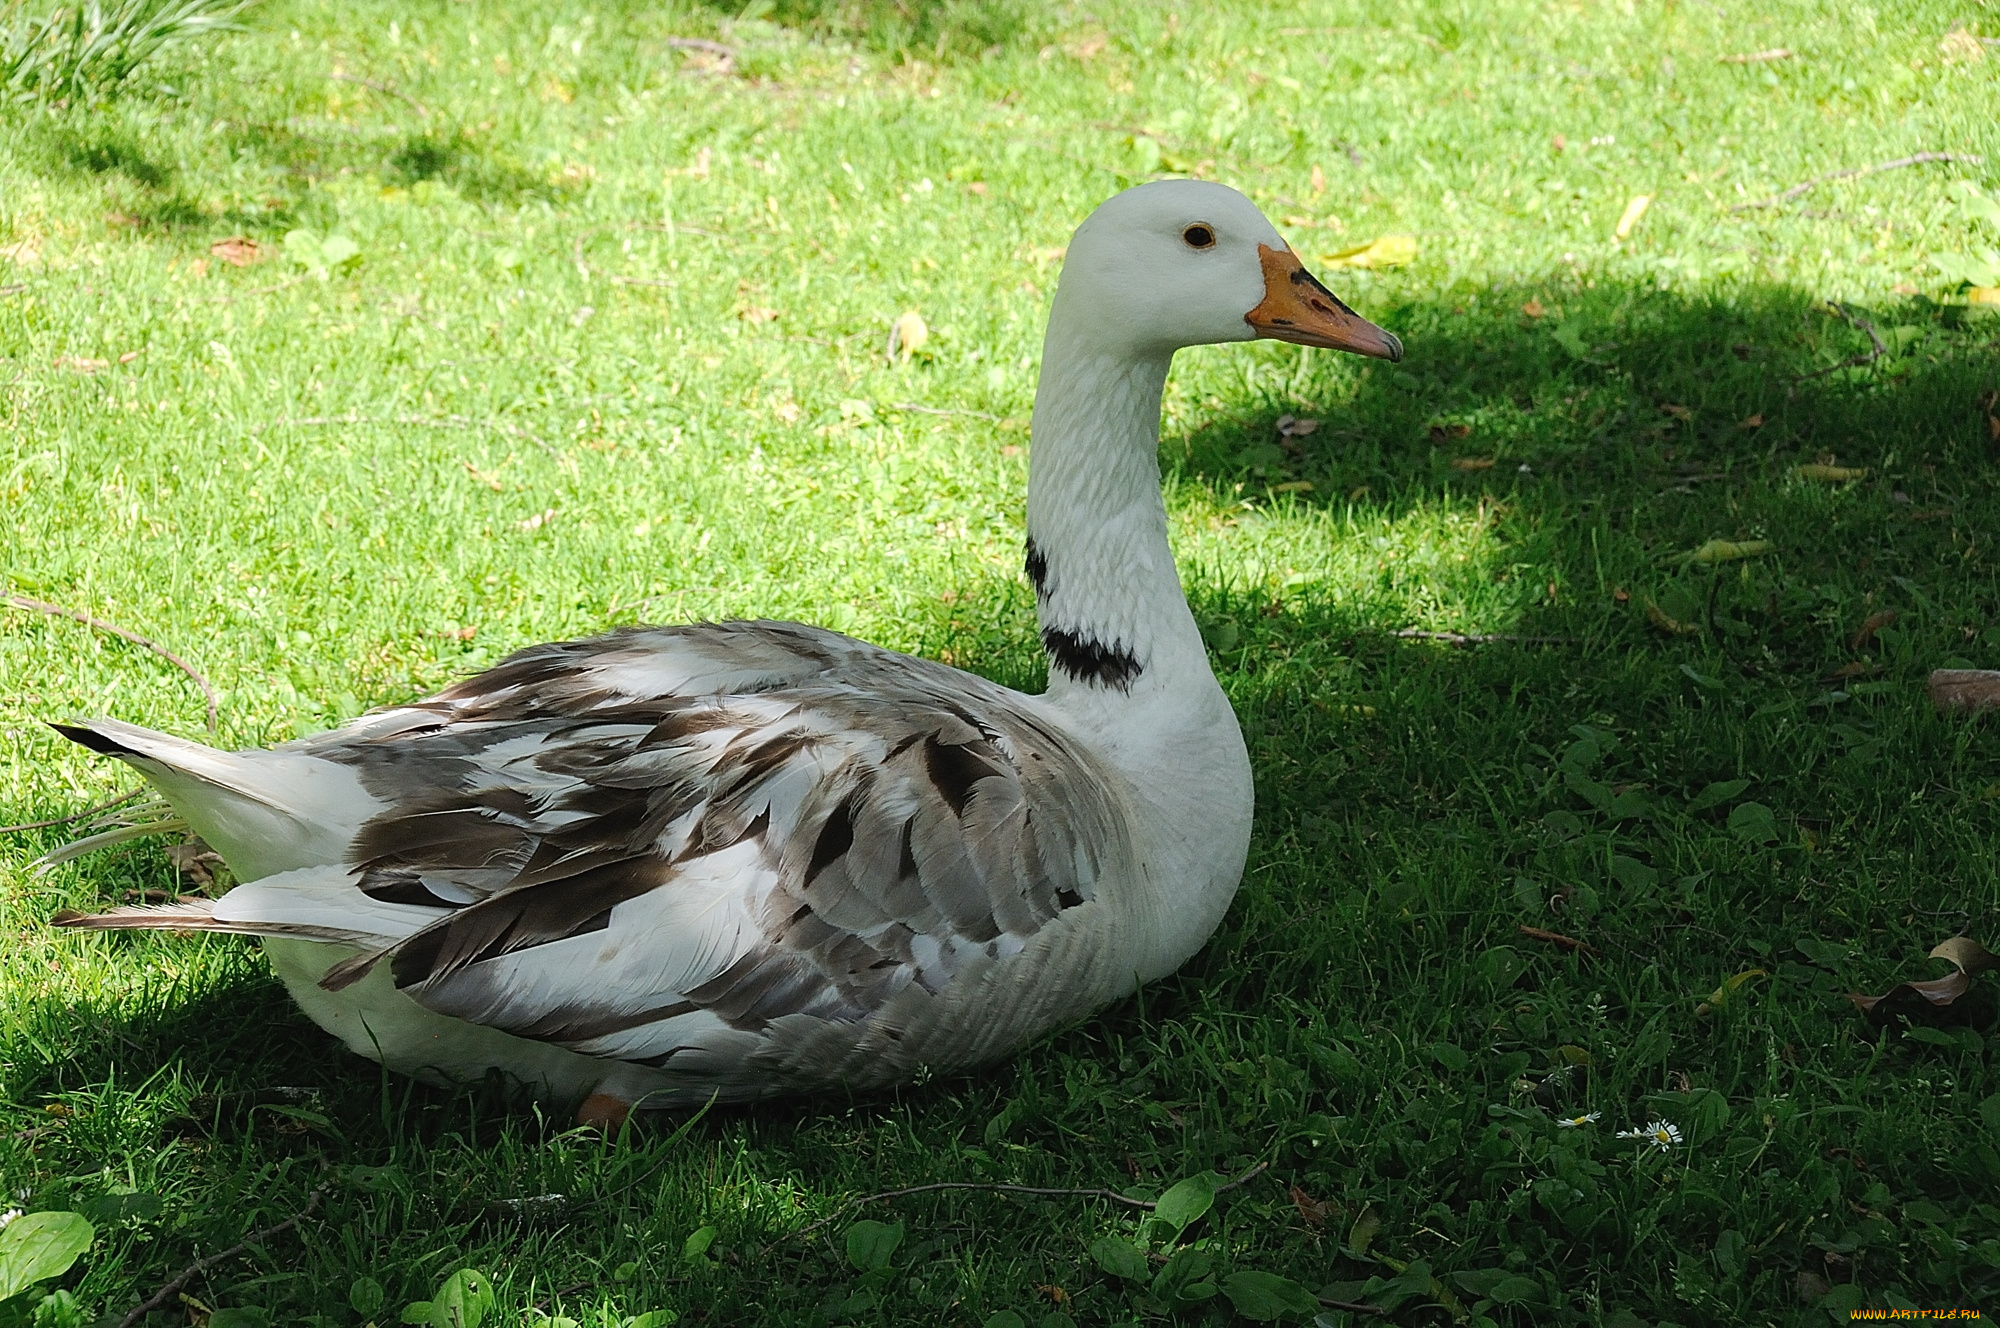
[[9, 1216], [1662, 1135], [1577, 1122]]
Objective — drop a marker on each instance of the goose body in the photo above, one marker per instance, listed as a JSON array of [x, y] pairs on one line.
[[744, 859]]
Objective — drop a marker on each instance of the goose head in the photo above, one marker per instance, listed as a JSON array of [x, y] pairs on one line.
[[1182, 263]]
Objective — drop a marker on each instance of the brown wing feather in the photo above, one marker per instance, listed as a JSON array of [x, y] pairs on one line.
[[903, 818]]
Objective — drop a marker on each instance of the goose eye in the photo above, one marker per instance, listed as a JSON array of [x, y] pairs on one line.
[[1199, 236]]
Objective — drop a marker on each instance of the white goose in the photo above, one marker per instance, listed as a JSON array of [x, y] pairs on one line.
[[749, 858]]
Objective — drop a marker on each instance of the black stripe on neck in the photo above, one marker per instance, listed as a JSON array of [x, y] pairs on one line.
[[1038, 571], [1086, 659]]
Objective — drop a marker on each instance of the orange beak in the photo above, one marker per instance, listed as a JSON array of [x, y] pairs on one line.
[[1297, 308]]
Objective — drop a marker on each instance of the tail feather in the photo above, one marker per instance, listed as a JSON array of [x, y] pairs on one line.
[[266, 812], [312, 904]]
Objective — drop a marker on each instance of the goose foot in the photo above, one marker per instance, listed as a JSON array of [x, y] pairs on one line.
[[604, 1113]]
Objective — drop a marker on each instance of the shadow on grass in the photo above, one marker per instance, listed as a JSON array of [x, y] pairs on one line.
[[1763, 798]]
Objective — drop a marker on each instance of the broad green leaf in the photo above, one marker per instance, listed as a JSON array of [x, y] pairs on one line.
[[1452, 1058], [1264, 1297], [1005, 1319], [40, 1246], [1728, 551], [107, 1209], [1120, 1258], [1184, 1277], [695, 1247], [417, 1311], [1515, 1291], [337, 250], [240, 1316], [1753, 822], [870, 1244], [364, 1296], [625, 1272], [463, 1300], [1366, 1224], [653, 1319], [1633, 874], [1181, 1206], [1721, 791]]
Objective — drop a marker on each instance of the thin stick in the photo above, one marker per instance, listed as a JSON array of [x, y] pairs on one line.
[[1852, 361], [194, 1270], [1352, 1306], [1970, 158], [1757, 57], [14, 289], [992, 1188], [1481, 638], [104, 806], [933, 410], [431, 421], [75, 615], [589, 271], [1567, 944], [423, 111], [716, 48]]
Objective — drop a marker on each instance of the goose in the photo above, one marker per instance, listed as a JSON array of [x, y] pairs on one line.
[[726, 861]]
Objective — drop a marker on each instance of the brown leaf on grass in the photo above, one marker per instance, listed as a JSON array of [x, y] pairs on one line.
[[1964, 691], [1677, 411], [1472, 463], [195, 861], [1292, 427], [1533, 309], [1311, 1211], [1441, 433], [1832, 474], [1754, 422], [1864, 635], [755, 314], [1925, 1000], [1567, 944], [237, 250], [1851, 670]]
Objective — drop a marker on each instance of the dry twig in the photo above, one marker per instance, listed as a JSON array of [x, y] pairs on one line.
[[76, 615], [91, 810], [1352, 1306], [1567, 944], [423, 111], [1875, 352], [933, 410], [991, 1187], [725, 55], [429, 421], [14, 289], [1480, 638], [166, 1293], [1970, 158], [1757, 57]]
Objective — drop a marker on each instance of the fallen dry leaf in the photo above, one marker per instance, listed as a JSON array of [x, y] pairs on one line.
[[1318, 180], [1472, 463], [1292, 427], [1567, 944], [195, 861], [1925, 1000], [755, 314], [1677, 411], [1312, 1211], [788, 411], [237, 250], [1959, 45], [1854, 669], [1873, 623], [1293, 486], [1754, 422], [1557, 143], [1445, 432], [21, 252], [1983, 295], [1757, 57], [1628, 220], [1728, 551], [1672, 626], [1388, 251], [1533, 309], [1965, 691], [1832, 474]]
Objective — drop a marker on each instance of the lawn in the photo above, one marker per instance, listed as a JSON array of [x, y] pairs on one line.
[[348, 353]]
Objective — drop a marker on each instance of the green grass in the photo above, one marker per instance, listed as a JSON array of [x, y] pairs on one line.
[[544, 451]]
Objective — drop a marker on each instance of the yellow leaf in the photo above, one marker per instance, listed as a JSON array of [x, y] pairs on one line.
[[1389, 251], [1983, 295], [1726, 551], [1633, 211], [1293, 486], [1832, 474], [1472, 463]]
